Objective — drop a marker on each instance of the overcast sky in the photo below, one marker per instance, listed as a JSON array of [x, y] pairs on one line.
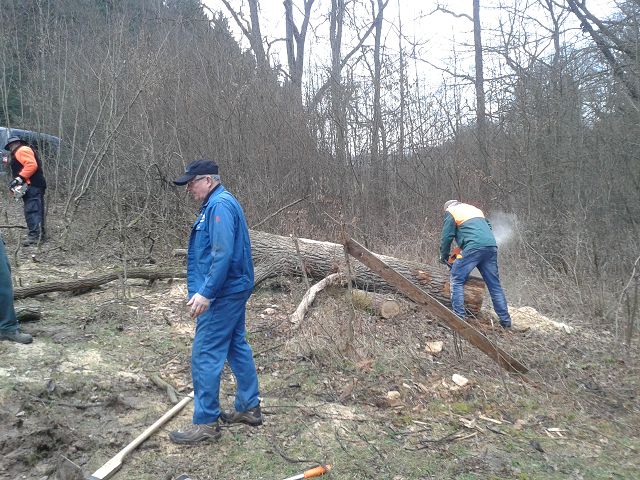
[[436, 33]]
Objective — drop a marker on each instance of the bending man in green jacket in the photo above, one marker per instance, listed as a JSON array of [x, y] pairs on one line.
[[473, 234]]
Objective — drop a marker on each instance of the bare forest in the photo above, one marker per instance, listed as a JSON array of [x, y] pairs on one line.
[[342, 124]]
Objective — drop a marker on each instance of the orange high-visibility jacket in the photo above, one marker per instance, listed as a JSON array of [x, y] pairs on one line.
[[26, 164]]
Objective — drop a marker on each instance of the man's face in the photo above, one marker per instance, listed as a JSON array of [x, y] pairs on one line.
[[199, 187]]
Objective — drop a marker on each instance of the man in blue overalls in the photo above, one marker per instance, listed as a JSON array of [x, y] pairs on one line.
[[8, 321], [219, 283]]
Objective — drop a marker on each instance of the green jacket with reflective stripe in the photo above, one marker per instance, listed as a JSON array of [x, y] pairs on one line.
[[469, 233]]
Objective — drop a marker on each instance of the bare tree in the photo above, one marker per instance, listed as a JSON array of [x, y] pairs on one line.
[[481, 116], [608, 42], [336, 18], [251, 30], [377, 125], [295, 40]]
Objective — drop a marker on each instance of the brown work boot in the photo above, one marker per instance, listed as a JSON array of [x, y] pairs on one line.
[[196, 433], [252, 417], [16, 336]]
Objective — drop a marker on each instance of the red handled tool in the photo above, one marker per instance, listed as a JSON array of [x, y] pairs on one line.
[[314, 472]]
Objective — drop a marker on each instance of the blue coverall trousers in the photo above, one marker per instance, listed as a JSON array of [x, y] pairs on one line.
[[8, 321], [221, 335], [486, 259]]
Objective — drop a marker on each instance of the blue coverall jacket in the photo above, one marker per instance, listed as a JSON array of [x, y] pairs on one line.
[[220, 268], [8, 321], [219, 257]]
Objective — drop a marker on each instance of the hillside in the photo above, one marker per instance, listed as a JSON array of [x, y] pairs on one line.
[[83, 390]]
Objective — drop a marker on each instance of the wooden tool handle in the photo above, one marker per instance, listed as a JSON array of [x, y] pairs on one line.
[[112, 466]]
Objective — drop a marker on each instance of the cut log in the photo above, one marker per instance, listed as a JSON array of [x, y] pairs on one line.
[[376, 303], [297, 316], [275, 255], [171, 391], [434, 307], [85, 284]]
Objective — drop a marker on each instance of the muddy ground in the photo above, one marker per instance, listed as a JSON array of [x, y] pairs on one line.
[[383, 407]]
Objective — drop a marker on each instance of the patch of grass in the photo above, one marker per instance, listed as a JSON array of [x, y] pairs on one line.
[[461, 408]]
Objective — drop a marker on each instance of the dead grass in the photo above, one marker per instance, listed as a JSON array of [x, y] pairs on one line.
[[82, 390]]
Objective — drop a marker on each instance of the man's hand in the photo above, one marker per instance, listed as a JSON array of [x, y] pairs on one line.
[[198, 304], [446, 263], [16, 182]]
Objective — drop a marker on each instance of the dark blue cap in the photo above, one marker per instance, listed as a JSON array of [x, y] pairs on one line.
[[199, 167]]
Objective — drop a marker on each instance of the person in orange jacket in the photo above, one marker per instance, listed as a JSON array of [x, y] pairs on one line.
[[26, 168]]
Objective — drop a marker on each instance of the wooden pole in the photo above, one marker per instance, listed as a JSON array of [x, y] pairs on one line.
[[434, 307], [114, 464]]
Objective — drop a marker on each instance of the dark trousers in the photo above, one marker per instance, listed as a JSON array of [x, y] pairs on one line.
[[8, 321], [34, 212]]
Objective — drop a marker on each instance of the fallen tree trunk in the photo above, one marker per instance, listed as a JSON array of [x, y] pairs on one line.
[[276, 255], [82, 285], [442, 313]]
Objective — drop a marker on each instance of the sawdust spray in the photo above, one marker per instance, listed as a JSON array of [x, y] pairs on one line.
[[503, 227]]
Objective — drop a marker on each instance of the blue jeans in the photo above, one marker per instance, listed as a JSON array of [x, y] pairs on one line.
[[221, 335], [8, 321], [34, 212], [486, 259]]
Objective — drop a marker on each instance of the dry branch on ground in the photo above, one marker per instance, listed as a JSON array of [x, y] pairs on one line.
[[81, 285]]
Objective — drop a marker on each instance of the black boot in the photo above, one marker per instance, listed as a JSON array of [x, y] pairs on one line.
[[30, 241]]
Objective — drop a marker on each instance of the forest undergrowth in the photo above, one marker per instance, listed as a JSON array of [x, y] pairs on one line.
[[386, 406]]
